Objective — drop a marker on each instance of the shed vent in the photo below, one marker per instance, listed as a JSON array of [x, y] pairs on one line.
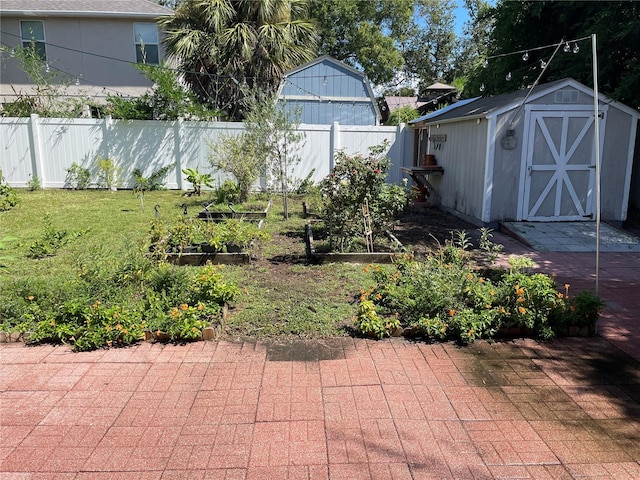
[[567, 96]]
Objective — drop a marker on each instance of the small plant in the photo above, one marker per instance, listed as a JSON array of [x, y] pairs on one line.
[[108, 173], [369, 323], [153, 182], [8, 196], [51, 240], [197, 180], [34, 183], [490, 249], [77, 177], [228, 192]]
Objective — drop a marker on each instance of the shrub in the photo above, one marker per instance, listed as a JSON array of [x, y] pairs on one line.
[[8, 196], [77, 177], [354, 181], [443, 298]]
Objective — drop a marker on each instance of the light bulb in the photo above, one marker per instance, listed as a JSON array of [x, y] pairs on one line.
[[543, 64], [525, 56], [47, 68], [576, 48], [482, 87], [77, 82], [566, 48], [485, 64], [324, 81], [12, 53], [508, 77]]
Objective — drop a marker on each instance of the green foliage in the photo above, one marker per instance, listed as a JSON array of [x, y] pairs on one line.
[[133, 296], [108, 173], [155, 181], [198, 180], [354, 180], [51, 240], [240, 156], [34, 183], [402, 115], [516, 26], [228, 192], [369, 323], [50, 98], [8, 196], [219, 44], [167, 100], [77, 177], [444, 298], [176, 236]]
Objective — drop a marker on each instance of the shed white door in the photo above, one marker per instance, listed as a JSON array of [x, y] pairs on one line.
[[559, 173]]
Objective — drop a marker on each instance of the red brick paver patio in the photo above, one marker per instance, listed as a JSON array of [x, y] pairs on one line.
[[336, 409]]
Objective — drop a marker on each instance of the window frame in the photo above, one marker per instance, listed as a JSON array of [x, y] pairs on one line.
[[143, 47], [41, 45]]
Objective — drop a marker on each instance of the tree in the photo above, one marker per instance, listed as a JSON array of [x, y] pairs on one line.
[[268, 145], [520, 25], [49, 98], [402, 115], [224, 46], [167, 100], [430, 53]]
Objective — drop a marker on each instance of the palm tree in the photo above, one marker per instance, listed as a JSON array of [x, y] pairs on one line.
[[228, 46]]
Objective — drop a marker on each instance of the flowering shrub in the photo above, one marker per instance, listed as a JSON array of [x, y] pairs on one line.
[[354, 179], [443, 298]]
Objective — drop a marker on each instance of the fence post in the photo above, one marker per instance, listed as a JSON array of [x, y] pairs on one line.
[[400, 144], [177, 153], [35, 137], [334, 143]]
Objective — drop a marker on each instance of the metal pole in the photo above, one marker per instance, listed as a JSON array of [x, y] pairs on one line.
[[596, 135]]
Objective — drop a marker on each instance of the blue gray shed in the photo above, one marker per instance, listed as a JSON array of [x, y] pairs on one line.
[[513, 158], [325, 91]]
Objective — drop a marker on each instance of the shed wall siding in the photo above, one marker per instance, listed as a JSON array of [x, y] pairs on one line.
[[615, 155], [461, 188], [507, 168]]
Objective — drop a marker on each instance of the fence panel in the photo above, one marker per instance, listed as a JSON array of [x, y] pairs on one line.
[[15, 145], [47, 147]]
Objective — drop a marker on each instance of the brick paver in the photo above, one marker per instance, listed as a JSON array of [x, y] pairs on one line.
[[362, 409]]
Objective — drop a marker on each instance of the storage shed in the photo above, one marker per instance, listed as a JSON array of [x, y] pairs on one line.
[[327, 91], [516, 158]]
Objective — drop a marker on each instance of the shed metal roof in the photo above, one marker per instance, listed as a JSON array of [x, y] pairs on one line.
[[84, 8], [488, 106]]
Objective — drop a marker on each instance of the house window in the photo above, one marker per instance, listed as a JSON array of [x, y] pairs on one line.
[[146, 41], [32, 33]]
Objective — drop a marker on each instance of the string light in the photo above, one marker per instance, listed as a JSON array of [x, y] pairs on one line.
[[566, 48], [324, 81], [525, 56], [508, 77], [576, 48], [482, 87], [543, 64]]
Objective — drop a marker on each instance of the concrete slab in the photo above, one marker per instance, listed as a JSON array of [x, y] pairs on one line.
[[571, 236]]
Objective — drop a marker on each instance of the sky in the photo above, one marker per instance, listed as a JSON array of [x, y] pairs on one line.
[[462, 17]]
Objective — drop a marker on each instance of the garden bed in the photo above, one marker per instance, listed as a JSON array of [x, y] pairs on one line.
[[315, 257], [233, 212]]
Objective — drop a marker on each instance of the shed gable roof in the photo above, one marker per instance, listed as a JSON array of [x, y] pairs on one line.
[[490, 106], [84, 8]]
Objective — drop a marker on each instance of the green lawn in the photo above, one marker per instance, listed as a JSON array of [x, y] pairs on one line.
[[279, 293]]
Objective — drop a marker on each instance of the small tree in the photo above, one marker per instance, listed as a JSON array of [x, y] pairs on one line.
[[50, 97], [268, 145]]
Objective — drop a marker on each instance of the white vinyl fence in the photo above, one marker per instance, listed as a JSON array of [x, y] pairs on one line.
[[46, 147]]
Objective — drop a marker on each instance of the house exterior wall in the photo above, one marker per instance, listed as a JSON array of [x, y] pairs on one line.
[[461, 187], [325, 92], [99, 50], [46, 147]]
